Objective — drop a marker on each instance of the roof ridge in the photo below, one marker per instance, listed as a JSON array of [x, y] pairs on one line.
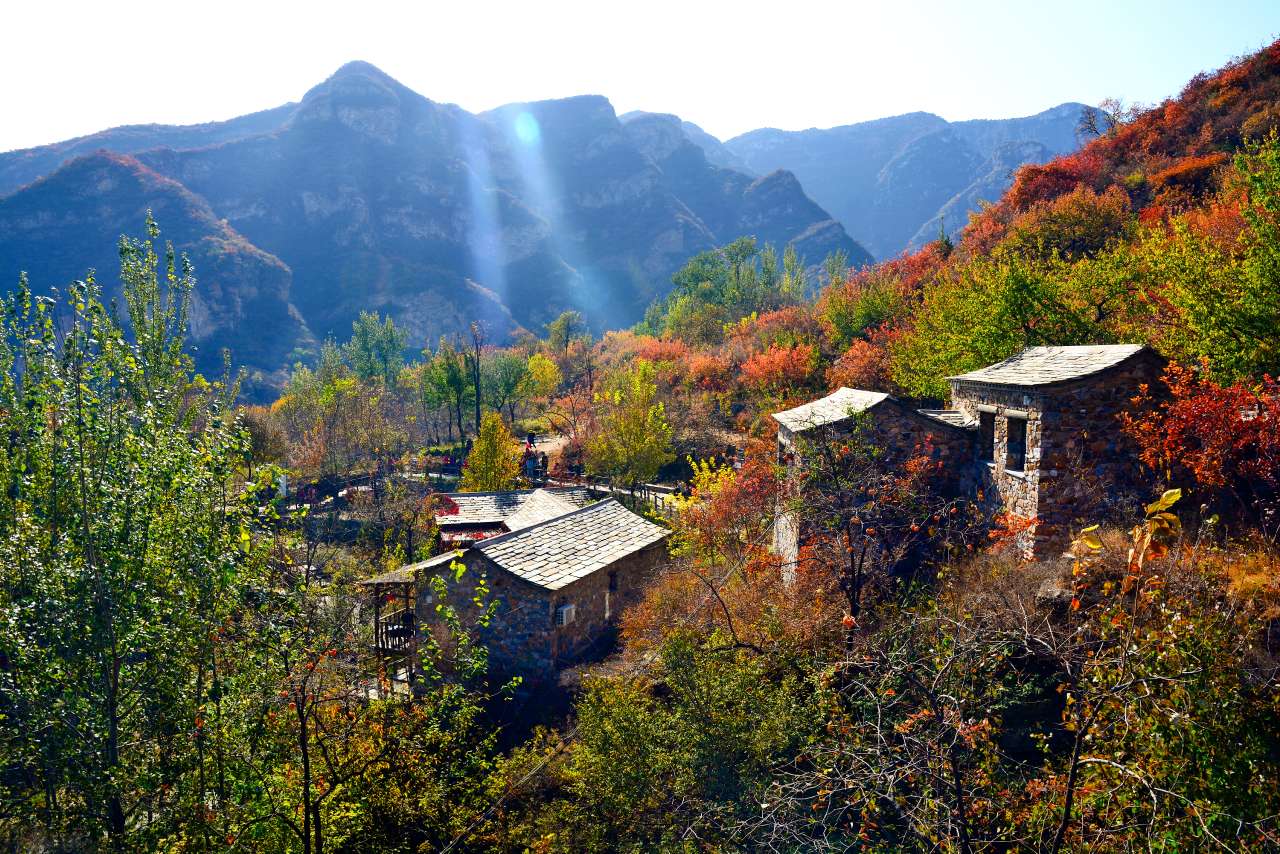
[[859, 400], [1039, 367], [493, 492]]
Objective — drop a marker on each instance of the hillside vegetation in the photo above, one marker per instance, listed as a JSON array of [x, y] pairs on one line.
[[185, 655]]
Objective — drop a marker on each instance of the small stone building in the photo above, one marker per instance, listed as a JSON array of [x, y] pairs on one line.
[[1036, 437], [560, 579], [1048, 436], [900, 430]]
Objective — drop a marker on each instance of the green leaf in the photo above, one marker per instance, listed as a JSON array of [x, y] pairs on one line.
[[1164, 502]]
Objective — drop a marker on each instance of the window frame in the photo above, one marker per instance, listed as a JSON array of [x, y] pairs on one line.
[[1009, 431], [987, 436]]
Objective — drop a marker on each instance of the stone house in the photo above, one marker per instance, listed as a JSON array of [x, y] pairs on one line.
[[560, 578], [899, 429], [1048, 435], [1035, 438]]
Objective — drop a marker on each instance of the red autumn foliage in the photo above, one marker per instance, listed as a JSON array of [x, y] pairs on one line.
[[780, 370], [785, 326], [732, 521], [1045, 182], [1179, 146], [1223, 439], [908, 273], [866, 364]]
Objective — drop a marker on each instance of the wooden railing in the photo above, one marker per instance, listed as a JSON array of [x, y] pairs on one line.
[[394, 632]]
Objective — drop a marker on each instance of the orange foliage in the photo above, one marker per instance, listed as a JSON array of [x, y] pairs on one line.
[[780, 370], [866, 364], [1188, 177], [727, 571], [708, 372], [1220, 221], [662, 349]]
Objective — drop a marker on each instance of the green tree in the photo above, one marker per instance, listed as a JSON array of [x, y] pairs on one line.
[[376, 348], [1229, 298], [990, 310], [564, 330], [447, 376], [634, 440], [494, 462], [123, 548], [505, 376]]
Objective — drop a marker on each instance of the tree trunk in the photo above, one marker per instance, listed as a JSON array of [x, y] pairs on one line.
[[306, 778]]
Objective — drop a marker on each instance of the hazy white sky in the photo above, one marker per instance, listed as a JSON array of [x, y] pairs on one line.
[[73, 68]]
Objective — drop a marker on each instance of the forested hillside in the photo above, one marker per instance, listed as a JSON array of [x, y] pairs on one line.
[[187, 648]]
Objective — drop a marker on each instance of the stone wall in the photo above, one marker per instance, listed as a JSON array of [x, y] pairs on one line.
[[596, 607], [519, 635]]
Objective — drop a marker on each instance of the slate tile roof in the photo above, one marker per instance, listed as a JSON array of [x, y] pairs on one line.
[[559, 551], [494, 508], [539, 506], [841, 404], [405, 574], [1038, 366], [954, 417]]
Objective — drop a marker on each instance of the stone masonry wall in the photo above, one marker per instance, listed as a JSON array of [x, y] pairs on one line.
[[597, 607], [902, 433], [519, 636]]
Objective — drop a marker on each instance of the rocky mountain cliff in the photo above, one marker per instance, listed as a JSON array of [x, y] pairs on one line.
[[367, 195], [68, 223], [893, 182]]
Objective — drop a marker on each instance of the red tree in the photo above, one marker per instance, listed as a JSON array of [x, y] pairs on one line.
[[1223, 439]]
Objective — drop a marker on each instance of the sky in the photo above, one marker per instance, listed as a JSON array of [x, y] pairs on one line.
[[74, 68]]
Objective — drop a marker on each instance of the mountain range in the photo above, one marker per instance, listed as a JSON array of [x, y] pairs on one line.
[[894, 182], [367, 195]]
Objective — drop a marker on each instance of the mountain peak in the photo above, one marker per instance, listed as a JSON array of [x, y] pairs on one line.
[[366, 100], [361, 68], [357, 80]]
